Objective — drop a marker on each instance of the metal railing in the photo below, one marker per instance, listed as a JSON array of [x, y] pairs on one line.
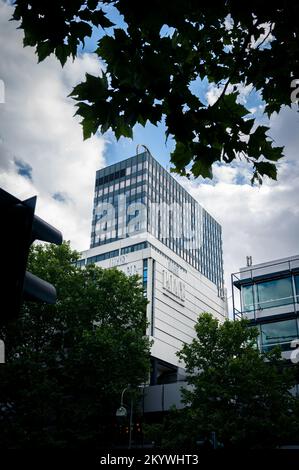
[[254, 273]]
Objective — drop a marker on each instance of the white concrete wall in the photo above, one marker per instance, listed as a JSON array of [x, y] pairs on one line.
[[181, 293]]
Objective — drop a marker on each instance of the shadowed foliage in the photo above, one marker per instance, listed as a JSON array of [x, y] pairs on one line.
[[67, 364], [235, 391], [155, 59]]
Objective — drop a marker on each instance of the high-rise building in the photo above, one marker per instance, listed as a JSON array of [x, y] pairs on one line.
[[144, 222], [267, 294]]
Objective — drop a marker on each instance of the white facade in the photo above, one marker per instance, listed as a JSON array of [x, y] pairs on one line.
[[176, 291]]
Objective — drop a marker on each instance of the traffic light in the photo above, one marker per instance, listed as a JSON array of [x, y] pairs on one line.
[[19, 229]]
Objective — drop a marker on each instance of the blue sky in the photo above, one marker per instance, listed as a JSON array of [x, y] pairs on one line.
[[154, 136], [151, 136]]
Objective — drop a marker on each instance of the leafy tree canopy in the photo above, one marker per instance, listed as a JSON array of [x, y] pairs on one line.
[[242, 395], [156, 56], [67, 364]]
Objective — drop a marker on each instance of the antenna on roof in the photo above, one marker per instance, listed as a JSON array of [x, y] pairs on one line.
[[249, 261], [145, 148]]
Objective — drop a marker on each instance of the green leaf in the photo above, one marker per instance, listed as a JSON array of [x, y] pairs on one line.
[[256, 141], [272, 153], [202, 168], [81, 30], [108, 50], [92, 4], [29, 38], [62, 53], [100, 19], [266, 168], [44, 49], [181, 156], [121, 128], [89, 127], [94, 89]]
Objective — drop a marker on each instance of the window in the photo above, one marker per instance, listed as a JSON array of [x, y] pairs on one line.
[[296, 279], [145, 272], [102, 257], [80, 263], [132, 248], [275, 293], [278, 334]]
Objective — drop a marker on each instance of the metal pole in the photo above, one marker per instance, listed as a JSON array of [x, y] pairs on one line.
[[233, 298], [122, 396], [131, 422]]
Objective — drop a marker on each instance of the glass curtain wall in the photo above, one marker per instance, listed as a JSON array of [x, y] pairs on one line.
[[166, 210]]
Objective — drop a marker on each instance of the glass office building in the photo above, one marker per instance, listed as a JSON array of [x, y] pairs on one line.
[[267, 295], [138, 195], [145, 223]]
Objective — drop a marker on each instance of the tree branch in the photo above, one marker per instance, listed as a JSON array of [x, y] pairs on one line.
[[238, 58]]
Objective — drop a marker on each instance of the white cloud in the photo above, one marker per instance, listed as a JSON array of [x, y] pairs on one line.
[[215, 91], [213, 94], [38, 128], [258, 221]]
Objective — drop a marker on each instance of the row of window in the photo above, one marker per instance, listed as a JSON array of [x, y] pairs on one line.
[[119, 170], [102, 256], [280, 333], [112, 254], [111, 177], [211, 250], [145, 276], [269, 294], [117, 185], [159, 186], [132, 248], [165, 181]]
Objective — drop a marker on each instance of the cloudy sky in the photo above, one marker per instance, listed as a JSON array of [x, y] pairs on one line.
[[41, 147], [42, 153]]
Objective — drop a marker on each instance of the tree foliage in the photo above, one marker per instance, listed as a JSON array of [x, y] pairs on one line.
[[67, 364], [242, 395], [155, 57]]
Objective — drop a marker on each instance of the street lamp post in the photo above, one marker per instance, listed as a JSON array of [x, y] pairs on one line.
[[121, 411], [131, 423]]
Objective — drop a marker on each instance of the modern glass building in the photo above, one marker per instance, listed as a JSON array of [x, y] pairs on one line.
[[267, 295], [138, 195], [144, 222]]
